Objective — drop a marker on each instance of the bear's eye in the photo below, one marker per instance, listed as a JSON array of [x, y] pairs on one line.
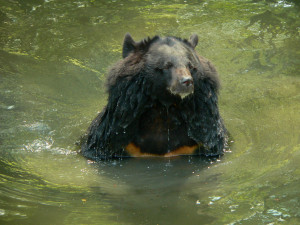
[[191, 67], [164, 67], [158, 69], [168, 65]]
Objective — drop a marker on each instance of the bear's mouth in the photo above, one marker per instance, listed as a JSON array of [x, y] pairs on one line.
[[181, 91]]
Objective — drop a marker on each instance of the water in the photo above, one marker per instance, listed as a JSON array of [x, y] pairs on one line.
[[53, 61]]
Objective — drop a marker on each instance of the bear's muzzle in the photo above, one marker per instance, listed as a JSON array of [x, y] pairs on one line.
[[182, 82]]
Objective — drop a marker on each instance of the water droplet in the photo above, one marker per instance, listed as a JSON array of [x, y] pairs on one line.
[[2, 212], [168, 138], [274, 212], [215, 198]]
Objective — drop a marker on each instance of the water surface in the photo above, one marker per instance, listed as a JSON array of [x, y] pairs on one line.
[[54, 57]]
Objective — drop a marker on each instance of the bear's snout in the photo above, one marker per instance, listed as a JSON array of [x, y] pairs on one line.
[[184, 76], [182, 82], [187, 81]]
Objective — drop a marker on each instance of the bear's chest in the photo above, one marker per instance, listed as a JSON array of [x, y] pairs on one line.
[[163, 132]]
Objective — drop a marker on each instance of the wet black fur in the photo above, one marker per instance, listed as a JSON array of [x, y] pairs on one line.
[[138, 96]]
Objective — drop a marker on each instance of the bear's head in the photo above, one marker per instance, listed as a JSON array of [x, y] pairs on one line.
[[169, 64]]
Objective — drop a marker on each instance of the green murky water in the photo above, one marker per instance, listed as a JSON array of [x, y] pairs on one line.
[[53, 61]]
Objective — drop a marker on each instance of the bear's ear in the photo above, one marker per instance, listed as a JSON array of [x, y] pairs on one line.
[[128, 45], [194, 40]]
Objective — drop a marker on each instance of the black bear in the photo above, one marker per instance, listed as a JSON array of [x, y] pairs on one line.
[[162, 102]]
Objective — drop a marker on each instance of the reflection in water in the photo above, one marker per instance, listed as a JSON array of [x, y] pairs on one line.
[[154, 188], [53, 61]]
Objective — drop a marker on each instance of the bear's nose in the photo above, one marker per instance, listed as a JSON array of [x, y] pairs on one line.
[[186, 81]]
